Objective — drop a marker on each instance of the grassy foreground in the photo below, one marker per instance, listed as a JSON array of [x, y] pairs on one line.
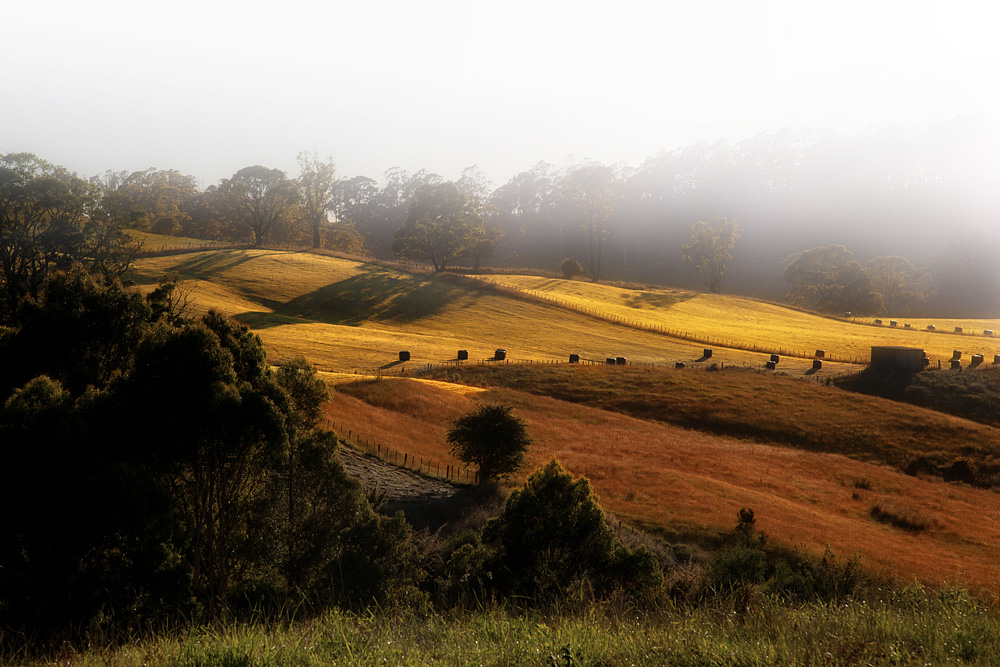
[[910, 627]]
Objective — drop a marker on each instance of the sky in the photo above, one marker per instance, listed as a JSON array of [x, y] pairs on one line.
[[208, 87]]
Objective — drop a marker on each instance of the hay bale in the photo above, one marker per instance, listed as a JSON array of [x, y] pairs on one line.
[[958, 329], [707, 353], [847, 314], [956, 364], [680, 364], [775, 358], [500, 354], [996, 358], [817, 364], [956, 354], [931, 327], [769, 365], [987, 332], [820, 354], [927, 361], [893, 323], [977, 359], [621, 361], [610, 361], [404, 355], [463, 355], [878, 321], [574, 358]]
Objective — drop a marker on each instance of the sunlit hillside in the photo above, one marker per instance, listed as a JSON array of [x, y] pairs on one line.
[[685, 482], [346, 315], [746, 321]]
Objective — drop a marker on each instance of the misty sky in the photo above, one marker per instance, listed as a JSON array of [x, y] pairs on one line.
[[208, 87]]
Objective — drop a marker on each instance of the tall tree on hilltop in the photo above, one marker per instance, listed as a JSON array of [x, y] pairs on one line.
[[594, 191], [441, 226], [259, 199], [711, 249], [317, 184]]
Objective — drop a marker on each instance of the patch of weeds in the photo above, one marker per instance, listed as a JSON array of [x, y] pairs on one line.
[[903, 518]]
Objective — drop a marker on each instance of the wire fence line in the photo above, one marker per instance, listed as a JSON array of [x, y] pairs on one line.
[[402, 459], [538, 297]]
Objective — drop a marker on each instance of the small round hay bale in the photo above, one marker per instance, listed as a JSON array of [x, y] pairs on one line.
[[707, 353], [977, 359], [847, 314], [404, 355], [463, 355], [775, 358], [769, 365], [927, 361], [893, 323], [621, 361], [817, 364], [987, 332], [956, 354], [820, 354], [996, 358], [956, 364], [680, 364], [610, 361], [878, 321], [958, 329], [906, 326], [574, 358], [500, 354], [931, 327]]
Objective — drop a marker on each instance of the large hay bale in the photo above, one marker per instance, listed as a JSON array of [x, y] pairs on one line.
[[769, 365], [574, 358], [463, 355], [707, 353], [621, 361], [775, 358], [404, 355], [820, 354], [680, 364], [500, 354], [817, 364]]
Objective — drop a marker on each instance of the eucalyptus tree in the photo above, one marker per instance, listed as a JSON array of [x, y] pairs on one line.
[[259, 200]]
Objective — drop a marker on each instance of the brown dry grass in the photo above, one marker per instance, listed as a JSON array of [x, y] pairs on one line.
[[685, 482]]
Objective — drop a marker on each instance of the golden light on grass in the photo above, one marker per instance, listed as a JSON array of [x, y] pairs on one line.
[[756, 322], [685, 481]]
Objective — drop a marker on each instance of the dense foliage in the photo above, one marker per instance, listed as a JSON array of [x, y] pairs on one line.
[[159, 469]]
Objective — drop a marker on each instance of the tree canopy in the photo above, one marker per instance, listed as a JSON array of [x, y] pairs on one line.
[[710, 249], [493, 438], [260, 200], [443, 224]]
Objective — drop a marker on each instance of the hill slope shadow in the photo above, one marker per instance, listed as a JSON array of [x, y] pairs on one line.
[[375, 294]]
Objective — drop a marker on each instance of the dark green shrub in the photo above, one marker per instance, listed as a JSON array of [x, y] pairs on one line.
[[553, 537], [809, 578], [570, 268]]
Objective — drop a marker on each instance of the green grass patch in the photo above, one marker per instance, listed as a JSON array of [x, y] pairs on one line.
[[911, 627]]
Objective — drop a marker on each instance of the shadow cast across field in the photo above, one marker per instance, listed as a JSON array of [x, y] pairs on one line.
[[660, 300], [258, 320], [375, 294], [206, 267]]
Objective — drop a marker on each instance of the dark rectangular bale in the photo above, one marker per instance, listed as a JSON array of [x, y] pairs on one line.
[[820, 354], [574, 358], [610, 361], [621, 361], [775, 358], [404, 355], [463, 355], [500, 354], [769, 365], [817, 364], [895, 358], [707, 353], [679, 364], [956, 364]]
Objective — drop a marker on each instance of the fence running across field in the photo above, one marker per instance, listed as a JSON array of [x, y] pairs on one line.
[[538, 297], [395, 456]]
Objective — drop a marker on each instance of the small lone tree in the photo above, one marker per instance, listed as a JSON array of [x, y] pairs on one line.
[[492, 438], [570, 268], [711, 249]]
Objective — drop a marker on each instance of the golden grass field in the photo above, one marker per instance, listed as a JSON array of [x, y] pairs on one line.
[[731, 318], [647, 456], [347, 315]]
